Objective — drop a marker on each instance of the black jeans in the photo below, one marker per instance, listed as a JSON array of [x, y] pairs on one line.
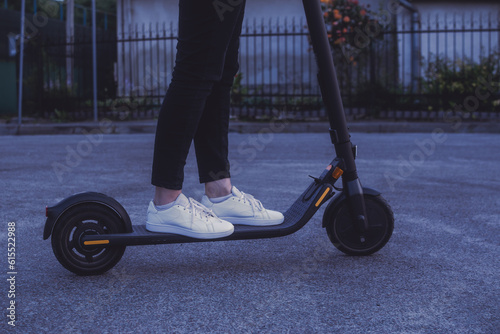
[[196, 106]]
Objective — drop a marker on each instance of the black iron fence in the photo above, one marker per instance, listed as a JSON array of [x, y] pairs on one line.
[[57, 10], [457, 64], [57, 78]]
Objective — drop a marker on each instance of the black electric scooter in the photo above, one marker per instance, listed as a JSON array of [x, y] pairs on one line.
[[90, 230]]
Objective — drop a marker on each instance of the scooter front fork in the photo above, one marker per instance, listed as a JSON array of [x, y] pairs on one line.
[[352, 186], [356, 200], [352, 190]]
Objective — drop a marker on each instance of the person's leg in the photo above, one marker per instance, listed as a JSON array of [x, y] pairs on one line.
[[211, 143], [219, 188], [211, 138], [164, 195], [200, 62]]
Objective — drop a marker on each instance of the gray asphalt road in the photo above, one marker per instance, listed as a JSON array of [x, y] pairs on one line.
[[438, 274]]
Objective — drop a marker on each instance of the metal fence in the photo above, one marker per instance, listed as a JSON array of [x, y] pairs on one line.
[[48, 90], [278, 71], [57, 10]]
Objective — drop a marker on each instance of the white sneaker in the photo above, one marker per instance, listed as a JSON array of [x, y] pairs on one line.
[[243, 209], [189, 218]]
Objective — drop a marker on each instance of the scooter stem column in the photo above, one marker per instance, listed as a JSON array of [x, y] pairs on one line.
[[332, 99], [330, 90]]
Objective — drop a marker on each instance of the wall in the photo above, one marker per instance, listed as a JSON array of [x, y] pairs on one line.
[[438, 16]]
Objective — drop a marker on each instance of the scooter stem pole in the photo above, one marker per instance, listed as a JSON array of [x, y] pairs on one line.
[[327, 74], [332, 99], [330, 90]]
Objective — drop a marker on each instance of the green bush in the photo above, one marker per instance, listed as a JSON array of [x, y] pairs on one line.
[[449, 83]]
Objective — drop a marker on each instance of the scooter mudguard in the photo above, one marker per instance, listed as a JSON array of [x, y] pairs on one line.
[[341, 196], [53, 213]]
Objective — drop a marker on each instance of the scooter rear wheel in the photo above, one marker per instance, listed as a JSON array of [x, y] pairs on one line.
[[80, 220], [344, 235]]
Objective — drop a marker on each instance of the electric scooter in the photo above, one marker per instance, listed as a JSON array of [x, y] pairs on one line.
[[90, 231]]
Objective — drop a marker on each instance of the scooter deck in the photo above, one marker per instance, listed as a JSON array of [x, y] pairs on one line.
[[295, 218]]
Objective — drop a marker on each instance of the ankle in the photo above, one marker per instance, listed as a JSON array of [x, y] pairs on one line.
[[219, 188], [165, 196]]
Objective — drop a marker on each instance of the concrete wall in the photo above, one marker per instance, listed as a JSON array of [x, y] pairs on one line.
[[153, 11], [472, 15], [146, 11], [440, 15]]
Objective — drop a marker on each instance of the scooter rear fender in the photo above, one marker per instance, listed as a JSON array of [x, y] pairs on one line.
[[55, 212]]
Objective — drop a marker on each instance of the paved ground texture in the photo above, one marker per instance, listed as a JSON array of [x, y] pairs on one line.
[[438, 274]]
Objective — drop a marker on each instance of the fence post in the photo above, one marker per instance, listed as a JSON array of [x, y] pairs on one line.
[[70, 40], [94, 59], [21, 65], [373, 81]]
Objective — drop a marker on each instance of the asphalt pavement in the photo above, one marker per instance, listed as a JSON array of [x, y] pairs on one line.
[[439, 273]]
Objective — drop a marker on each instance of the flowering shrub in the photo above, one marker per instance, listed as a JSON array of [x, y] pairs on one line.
[[450, 82], [345, 19]]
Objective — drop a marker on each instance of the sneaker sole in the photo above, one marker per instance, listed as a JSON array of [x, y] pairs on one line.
[[186, 232], [252, 221]]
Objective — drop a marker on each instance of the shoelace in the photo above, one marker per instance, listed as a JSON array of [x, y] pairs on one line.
[[254, 203], [199, 210]]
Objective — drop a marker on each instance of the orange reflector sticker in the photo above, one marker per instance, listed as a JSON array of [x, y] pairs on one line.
[[96, 242], [337, 173], [322, 197]]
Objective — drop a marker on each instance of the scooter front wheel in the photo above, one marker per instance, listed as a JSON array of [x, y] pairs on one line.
[[87, 218], [344, 235]]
